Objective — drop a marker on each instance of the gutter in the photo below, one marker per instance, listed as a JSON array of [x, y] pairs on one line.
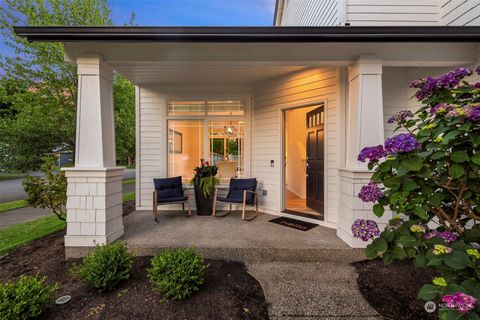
[[251, 34]]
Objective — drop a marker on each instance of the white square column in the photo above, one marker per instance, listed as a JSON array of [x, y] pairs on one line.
[[94, 191], [364, 129]]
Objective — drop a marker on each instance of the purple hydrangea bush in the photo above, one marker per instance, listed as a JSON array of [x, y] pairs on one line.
[[429, 174]]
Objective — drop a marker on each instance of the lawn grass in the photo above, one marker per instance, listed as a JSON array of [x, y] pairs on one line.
[[128, 181], [129, 196], [10, 176], [13, 236], [23, 233], [5, 206]]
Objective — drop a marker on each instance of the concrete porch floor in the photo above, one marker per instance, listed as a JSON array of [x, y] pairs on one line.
[[234, 239]]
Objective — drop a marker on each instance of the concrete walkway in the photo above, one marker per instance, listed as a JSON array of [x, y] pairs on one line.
[[311, 290], [21, 215], [304, 275]]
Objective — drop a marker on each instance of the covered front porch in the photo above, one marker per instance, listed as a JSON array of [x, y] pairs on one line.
[[359, 76], [231, 238]]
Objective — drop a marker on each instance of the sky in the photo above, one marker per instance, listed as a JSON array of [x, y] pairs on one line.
[[186, 13]]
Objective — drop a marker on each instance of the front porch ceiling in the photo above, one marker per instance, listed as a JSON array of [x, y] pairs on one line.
[[183, 62], [194, 73]]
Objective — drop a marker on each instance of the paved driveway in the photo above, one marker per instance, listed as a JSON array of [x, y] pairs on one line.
[[11, 190]]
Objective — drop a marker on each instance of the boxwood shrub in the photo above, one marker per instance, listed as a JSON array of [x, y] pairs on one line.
[[25, 298], [177, 273], [106, 266]]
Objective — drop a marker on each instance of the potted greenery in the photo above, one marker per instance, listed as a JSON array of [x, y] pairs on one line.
[[204, 182]]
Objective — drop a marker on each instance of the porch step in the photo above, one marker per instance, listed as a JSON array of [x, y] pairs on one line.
[[311, 290], [262, 254]]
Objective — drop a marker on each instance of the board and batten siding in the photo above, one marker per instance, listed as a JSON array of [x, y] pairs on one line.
[[460, 13], [310, 13], [303, 88]]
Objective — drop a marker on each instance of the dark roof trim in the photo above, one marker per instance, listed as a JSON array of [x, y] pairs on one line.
[[251, 34]]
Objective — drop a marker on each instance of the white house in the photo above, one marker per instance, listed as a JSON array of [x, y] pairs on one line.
[[291, 106]]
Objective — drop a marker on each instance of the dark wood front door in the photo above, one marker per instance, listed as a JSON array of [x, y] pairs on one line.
[[315, 159]]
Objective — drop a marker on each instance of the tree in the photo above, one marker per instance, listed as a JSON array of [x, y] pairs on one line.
[[39, 90], [49, 191], [124, 105]]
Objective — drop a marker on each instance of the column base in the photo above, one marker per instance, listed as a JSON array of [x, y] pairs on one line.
[[352, 208], [94, 206]]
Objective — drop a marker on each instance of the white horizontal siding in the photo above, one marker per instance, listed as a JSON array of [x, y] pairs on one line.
[[151, 141], [392, 12], [311, 13], [460, 13], [309, 86]]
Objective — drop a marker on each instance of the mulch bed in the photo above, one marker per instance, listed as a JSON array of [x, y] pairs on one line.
[[392, 290], [229, 292], [128, 207]]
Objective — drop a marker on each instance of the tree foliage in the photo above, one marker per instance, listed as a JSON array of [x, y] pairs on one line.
[[124, 105], [39, 90], [48, 191]]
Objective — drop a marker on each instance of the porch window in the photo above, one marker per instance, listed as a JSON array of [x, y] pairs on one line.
[[185, 147], [202, 108], [210, 130]]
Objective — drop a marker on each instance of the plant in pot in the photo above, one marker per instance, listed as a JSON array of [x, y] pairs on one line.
[[204, 182]]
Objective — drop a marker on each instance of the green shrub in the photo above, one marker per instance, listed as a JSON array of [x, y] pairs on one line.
[[177, 273], [25, 298], [106, 266]]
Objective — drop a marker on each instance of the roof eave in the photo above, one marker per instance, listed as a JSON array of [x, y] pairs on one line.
[[251, 34]]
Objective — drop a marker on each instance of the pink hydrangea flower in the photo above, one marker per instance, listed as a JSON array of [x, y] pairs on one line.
[[460, 301]]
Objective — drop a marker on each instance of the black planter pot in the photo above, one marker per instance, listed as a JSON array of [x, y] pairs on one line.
[[204, 204]]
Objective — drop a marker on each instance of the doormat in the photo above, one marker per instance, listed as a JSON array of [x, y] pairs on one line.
[[293, 223]]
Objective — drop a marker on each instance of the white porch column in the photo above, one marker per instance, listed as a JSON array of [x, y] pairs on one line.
[[94, 193], [364, 128]]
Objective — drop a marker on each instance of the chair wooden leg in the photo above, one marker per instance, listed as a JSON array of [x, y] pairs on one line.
[[256, 203], [244, 203], [230, 208], [215, 202], [188, 205], [155, 204], [183, 207]]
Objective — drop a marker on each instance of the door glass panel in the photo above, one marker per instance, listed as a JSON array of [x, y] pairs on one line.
[[226, 145], [185, 147]]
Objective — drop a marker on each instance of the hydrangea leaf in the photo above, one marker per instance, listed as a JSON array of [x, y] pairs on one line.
[[438, 155], [388, 235], [476, 159], [409, 185], [460, 156], [380, 245], [421, 212], [428, 292], [378, 210], [457, 260], [456, 171], [371, 252]]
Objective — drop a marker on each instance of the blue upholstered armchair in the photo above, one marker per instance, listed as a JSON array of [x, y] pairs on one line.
[[170, 191], [241, 191]]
